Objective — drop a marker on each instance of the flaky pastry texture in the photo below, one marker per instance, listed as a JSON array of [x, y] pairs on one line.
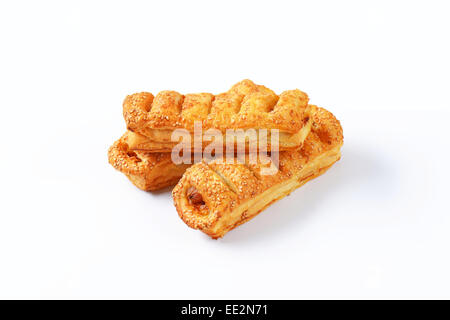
[[245, 106], [147, 171], [217, 197]]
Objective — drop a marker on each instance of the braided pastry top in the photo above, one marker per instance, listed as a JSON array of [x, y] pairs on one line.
[[245, 105]]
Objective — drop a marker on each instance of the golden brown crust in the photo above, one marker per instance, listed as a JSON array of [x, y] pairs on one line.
[[246, 105], [148, 171], [226, 189]]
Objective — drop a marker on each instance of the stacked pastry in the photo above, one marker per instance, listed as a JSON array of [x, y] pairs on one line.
[[216, 196]]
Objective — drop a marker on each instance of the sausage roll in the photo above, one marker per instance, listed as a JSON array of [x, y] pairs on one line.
[[245, 106], [217, 197]]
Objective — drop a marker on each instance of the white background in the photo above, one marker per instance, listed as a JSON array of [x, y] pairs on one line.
[[376, 225]]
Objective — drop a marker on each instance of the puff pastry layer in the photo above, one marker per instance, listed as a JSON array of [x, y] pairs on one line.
[[218, 197], [245, 106], [147, 171]]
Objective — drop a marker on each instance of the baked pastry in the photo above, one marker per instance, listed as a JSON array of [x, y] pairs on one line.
[[147, 171], [245, 106], [217, 197]]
